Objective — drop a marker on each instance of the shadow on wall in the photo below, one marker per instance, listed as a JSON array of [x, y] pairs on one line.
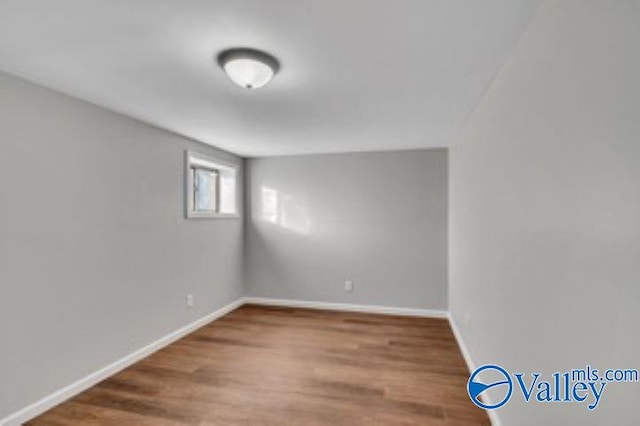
[[284, 210]]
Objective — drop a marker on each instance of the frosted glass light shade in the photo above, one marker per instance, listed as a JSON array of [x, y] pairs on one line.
[[248, 68]]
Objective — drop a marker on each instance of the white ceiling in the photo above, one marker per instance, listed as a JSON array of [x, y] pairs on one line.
[[356, 74]]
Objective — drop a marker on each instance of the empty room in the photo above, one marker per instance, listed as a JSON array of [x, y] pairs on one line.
[[320, 212]]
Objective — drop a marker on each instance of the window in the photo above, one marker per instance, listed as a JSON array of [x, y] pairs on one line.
[[211, 189]]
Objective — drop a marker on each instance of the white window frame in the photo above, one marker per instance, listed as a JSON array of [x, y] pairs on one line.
[[192, 159]]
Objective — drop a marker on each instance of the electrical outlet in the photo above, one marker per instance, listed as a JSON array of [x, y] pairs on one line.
[[348, 286], [190, 300]]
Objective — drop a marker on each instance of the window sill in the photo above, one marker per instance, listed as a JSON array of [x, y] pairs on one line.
[[194, 215]]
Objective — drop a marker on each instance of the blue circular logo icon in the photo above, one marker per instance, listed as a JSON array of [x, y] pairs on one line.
[[497, 377]]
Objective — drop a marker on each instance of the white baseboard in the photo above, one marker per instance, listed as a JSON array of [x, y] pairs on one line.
[[493, 415], [372, 309], [85, 383], [463, 348]]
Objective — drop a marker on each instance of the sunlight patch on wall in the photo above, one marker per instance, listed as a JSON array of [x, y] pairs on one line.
[[284, 210]]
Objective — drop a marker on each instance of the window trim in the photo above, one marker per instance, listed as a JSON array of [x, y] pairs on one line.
[[193, 158]]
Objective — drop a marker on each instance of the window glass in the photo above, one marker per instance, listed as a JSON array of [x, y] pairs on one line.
[[206, 190]]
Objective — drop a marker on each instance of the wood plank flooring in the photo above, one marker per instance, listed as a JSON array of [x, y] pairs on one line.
[[284, 366]]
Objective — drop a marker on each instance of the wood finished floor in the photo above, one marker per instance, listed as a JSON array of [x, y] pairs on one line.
[[281, 366]]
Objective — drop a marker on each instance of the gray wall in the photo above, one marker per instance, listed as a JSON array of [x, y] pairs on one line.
[[545, 209], [378, 219], [95, 256]]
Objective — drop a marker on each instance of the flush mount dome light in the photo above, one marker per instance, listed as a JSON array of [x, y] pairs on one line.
[[248, 68]]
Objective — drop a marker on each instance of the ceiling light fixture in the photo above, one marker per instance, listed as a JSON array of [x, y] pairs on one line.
[[248, 68]]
